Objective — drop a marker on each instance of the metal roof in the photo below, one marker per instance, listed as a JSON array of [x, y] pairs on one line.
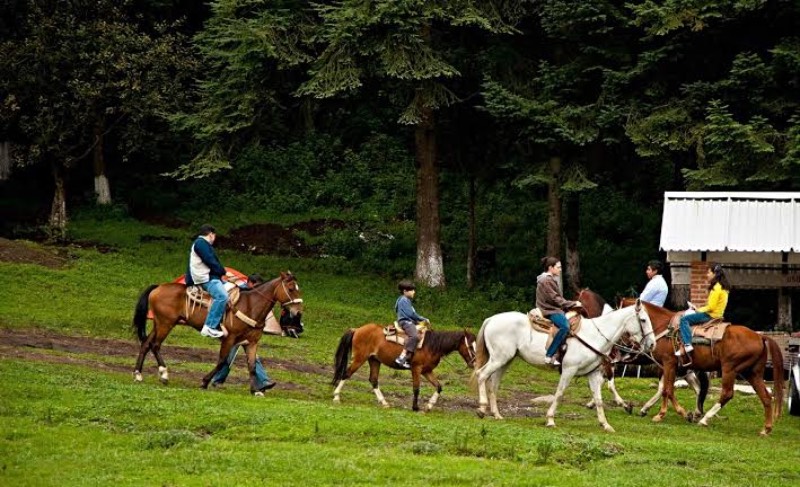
[[743, 222]]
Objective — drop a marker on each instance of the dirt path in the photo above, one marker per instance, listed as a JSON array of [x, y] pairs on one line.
[[35, 344]]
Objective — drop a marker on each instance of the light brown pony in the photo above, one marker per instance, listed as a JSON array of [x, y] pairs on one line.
[[740, 351], [368, 343], [169, 306]]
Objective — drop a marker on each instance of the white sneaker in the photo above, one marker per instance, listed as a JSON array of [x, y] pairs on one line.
[[688, 348], [211, 332]]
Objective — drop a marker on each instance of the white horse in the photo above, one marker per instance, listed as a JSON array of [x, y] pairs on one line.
[[506, 335]]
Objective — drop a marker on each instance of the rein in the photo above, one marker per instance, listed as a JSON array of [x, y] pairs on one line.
[[270, 303]]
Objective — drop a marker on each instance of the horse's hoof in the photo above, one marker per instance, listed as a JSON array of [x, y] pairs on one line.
[[481, 414], [765, 432], [164, 380], [386, 405], [550, 423], [629, 409], [703, 422], [609, 429], [658, 418], [590, 405], [642, 413], [137, 377], [337, 400], [258, 394], [497, 416]]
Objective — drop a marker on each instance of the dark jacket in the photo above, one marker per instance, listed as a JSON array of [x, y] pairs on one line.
[[205, 251], [548, 296]]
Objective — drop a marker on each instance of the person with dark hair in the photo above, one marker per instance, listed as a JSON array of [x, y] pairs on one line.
[[407, 319], [552, 304], [656, 290], [719, 287], [206, 271], [262, 379]]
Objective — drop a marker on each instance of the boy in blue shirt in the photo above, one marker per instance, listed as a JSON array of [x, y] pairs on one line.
[[407, 319]]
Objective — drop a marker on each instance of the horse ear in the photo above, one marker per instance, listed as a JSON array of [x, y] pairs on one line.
[[283, 275]]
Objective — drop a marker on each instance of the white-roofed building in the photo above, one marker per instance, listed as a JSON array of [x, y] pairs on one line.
[[755, 236]]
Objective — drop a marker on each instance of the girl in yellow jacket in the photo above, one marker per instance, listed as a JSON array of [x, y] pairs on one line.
[[719, 287]]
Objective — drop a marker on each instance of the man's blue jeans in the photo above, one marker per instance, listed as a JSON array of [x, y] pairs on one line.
[[687, 321], [261, 373], [560, 320], [216, 289]]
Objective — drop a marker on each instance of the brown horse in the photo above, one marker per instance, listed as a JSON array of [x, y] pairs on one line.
[[595, 305], [169, 306], [740, 351], [369, 343]]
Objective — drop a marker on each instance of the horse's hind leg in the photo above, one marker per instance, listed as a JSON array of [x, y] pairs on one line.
[[493, 384], [374, 370], [654, 399], [143, 349], [756, 380], [437, 385], [483, 374], [358, 361], [161, 333]]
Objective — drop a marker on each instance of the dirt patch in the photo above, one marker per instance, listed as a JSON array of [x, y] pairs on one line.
[[22, 252], [33, 344], [272, 239]]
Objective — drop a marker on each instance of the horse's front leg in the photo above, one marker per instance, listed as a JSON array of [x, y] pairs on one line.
[[415, 380], [437, 385], [596, 386], [374, 370], [725, 395], [225, 348], [566, 377]]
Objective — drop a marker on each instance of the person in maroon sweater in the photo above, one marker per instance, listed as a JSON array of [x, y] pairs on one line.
[[552, 304]]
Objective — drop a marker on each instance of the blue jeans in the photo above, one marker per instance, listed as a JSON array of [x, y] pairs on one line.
[[261, 373], [216, 289], [687, 321], [560, 320]]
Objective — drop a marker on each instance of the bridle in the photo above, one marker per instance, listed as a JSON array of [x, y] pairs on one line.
[[634, 350], [641, 320], [470, 351], [285, 290]]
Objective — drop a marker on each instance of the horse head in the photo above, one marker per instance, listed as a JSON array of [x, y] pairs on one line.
[[640, 328], [288, 294], [593, 304]]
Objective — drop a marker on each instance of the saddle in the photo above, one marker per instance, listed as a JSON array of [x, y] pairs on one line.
[[396, 334], [707, 333], [541, 324], [196, 296]]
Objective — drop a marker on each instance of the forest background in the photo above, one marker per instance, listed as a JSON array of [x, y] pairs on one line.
[[459, 140]]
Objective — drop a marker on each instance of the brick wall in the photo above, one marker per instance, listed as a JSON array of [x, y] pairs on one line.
[[699, 283]]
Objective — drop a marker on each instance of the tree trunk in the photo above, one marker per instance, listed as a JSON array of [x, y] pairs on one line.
[[472, 240], [573, 255], [430, 266], [102, 190], [58, 212], [5, 161], [554, 209]]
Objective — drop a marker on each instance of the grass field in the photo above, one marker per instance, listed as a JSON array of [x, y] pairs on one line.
[[70, 413]]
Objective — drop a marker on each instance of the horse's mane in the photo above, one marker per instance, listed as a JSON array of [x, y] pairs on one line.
[[443, 341], [289, 278]]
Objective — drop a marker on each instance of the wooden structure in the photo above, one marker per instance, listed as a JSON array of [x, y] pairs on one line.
[[755, 236]]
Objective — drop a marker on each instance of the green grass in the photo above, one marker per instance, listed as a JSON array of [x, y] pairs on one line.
[[69, 418]]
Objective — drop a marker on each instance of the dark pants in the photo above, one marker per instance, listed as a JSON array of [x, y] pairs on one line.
[[410, 328]]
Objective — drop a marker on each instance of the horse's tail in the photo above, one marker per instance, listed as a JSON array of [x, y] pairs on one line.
[[777, 375], [481, 355], [342, 357], [140, 314]]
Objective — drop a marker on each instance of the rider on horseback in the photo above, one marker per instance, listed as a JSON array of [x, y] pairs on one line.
[[205, 270], [719, 287], [656, 290], [407, 319], [552, 304]]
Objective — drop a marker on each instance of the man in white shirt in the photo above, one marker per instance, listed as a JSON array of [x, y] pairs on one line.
[[655, 292]]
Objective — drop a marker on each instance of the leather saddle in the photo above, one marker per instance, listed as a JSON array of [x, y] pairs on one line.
[[541, 324], [394, 333], [707, 333]]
